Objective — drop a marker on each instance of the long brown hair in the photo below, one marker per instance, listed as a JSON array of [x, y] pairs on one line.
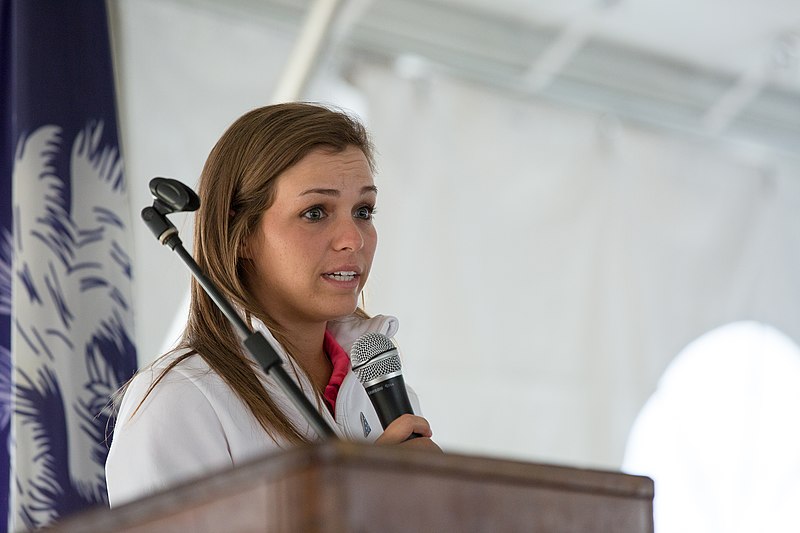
[[236, 186]]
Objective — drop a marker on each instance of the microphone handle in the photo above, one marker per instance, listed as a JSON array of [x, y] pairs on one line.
[[390, 400]]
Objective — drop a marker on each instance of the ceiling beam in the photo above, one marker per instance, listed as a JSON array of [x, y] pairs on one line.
[[574, 34], [326, 24]]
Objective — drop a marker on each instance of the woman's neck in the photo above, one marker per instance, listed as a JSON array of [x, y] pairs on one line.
[[307, 350]]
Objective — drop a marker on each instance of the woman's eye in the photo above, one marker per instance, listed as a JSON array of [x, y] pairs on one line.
[[315, 213], [365, 211]]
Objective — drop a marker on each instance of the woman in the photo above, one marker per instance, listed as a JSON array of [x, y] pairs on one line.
[[285, 231]]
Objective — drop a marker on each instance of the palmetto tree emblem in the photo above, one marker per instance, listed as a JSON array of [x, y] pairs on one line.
[[66, 273]]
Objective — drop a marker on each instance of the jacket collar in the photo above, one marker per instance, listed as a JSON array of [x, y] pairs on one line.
[[345, 330]]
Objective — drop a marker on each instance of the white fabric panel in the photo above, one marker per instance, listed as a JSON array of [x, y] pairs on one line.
[[547, 267], [546, 263]]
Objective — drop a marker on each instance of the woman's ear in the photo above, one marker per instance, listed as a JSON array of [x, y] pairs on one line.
[[244, 250]]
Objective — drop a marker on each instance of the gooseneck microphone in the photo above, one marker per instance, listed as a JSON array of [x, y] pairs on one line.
[[376, 363]]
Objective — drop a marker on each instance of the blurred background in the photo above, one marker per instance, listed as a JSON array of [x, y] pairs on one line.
[[588, 215]]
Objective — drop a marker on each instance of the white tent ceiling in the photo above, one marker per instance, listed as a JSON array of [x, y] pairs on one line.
[[728, 36], [722, 68]]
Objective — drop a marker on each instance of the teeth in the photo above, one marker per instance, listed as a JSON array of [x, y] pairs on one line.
[[342, 276]]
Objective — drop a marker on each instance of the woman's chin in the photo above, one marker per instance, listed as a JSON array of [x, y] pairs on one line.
[[340, 309]]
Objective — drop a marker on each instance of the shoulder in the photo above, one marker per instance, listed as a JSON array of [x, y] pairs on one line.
[[180, 372], [177, 371], [178, 419], [167, 430]]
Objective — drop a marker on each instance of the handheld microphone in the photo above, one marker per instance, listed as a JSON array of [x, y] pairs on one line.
[[376, 363]]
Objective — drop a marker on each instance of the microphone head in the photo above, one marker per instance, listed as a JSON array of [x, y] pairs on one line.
[[374, 358]]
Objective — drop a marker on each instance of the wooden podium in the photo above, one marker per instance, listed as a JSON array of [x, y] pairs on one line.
[[345, 487]]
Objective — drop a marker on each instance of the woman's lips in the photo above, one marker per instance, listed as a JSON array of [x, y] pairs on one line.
[[343, 278]]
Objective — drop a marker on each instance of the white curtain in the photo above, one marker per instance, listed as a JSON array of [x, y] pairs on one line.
[[546, 263]]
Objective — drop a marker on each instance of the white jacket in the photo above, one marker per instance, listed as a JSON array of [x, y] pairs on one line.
[[192, 423]]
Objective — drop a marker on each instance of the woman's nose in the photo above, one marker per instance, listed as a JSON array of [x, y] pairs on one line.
[[348, 235]]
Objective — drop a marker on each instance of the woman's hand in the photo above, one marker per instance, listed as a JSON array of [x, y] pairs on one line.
[[401, 428]]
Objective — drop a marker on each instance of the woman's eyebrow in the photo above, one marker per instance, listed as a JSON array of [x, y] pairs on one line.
[[326, 192], [335, 192]]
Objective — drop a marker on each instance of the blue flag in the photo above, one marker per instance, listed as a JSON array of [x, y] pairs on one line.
[[65, 272]]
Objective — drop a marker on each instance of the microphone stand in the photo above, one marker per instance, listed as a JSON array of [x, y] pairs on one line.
[[173, 196]]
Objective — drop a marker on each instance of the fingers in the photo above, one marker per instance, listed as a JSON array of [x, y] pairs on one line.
[[422, 443], [402, 428]]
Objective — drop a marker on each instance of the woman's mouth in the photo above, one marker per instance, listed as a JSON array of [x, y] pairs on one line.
[[346, 275]]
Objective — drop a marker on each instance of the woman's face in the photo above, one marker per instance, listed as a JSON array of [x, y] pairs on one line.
[[312, 250]]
